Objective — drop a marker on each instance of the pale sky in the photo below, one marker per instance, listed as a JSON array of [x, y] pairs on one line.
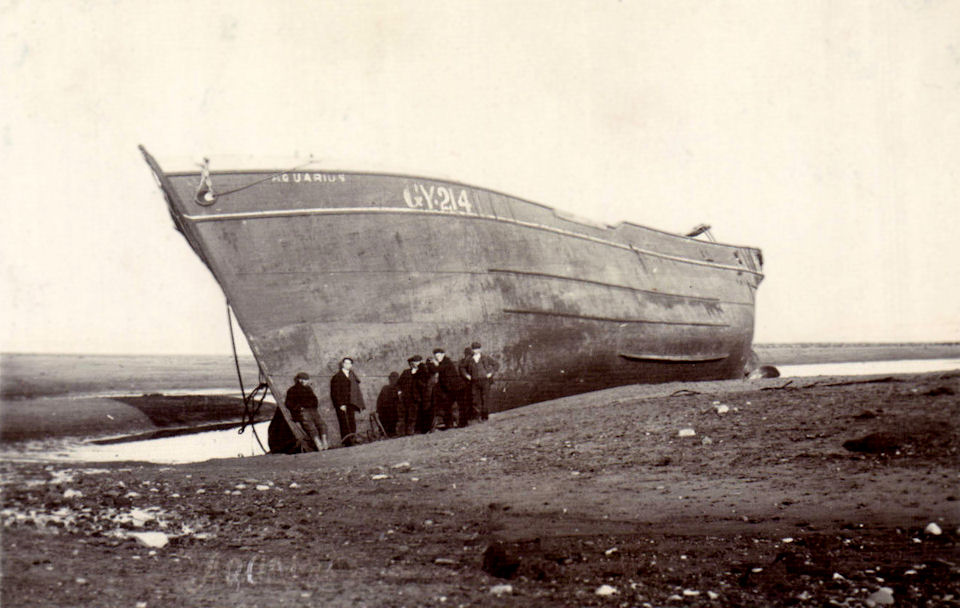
[[825, 133]]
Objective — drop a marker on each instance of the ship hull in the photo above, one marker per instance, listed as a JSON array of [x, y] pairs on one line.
[[322, 265]]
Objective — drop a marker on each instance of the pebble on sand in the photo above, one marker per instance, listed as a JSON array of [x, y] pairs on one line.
[[501, 589], [686, 433], [139, 517], [881, 597], [933, 528], [606, 590], [151, 539]]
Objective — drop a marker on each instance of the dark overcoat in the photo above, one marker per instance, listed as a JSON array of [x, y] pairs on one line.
[[450, 379], [346, 391], [300, 397]]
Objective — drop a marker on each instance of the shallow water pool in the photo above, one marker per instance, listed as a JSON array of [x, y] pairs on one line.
[[866, 368]]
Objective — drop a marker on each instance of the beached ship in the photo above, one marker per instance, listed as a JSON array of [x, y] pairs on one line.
[[320, 264]]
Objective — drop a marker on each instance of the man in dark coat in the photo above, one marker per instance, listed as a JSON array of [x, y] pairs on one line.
[[428, 407], [304, 407], [467, 410], [449, 386], [347, 400], [411, 385], [388, 405], [479, 369]]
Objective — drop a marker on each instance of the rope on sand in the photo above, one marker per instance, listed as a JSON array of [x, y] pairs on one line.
[[248, 415]]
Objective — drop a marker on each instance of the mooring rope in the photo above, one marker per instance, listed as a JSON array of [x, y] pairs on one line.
[[247, 414], [206, 196]]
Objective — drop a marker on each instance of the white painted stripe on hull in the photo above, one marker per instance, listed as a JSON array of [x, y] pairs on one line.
[[256, 215]]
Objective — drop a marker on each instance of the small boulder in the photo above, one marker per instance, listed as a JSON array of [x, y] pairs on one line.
[[874, 443], [764, 371], [498, 561]]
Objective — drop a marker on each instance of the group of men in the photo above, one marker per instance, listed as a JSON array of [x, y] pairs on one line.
[[409, 403], [430, 388]]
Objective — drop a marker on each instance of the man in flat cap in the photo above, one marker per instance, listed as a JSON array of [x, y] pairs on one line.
[[305, 409], [412, 384], [479, 369]]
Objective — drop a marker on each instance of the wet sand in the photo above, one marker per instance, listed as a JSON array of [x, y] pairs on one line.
[[593, 500]]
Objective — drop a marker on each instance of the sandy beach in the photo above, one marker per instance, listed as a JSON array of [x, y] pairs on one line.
[[700, 494]]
